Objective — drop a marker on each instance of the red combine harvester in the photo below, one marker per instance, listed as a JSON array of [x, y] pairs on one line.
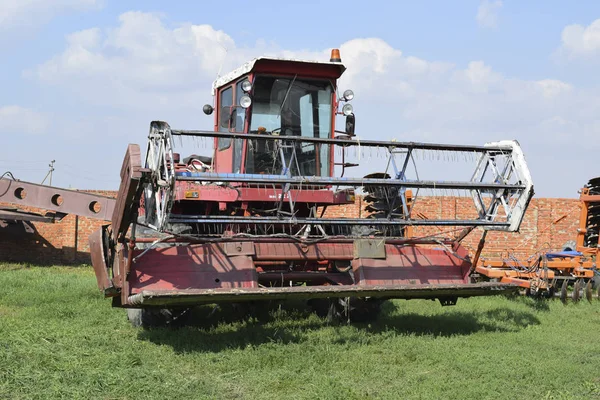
[[249, 223]]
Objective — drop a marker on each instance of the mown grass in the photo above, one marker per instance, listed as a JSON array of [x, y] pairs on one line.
[[60, 339]]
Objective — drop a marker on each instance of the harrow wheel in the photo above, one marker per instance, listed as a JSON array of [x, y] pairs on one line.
[[576, 295], [563, 291], [588, 291], [548, 294]]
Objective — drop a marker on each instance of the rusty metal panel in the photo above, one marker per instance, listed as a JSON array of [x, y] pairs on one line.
[[185, 267], [300, 196], [198, 192], [121, 271], [18, 215], [202, 296], [99, 258], [126, 205], [238, 248], [369, 248], [56, 199], [294, 251], [414, 266], [282, 249]]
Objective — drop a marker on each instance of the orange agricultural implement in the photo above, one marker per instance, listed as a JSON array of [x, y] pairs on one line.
[[569, 273]]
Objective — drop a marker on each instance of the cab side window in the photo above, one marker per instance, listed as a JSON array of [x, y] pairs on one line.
[[240, 112], [226, 101], [240, 118]]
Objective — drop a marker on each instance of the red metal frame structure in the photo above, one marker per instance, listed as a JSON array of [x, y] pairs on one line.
[[57, 203], [249, 223], [60, 201]]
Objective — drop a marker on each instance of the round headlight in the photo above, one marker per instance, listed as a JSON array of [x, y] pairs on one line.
[[347, 109], [245, 101], [246, 86], [348, 95]]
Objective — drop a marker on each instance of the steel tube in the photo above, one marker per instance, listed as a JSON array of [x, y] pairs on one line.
[[270, 239], [310, 181], [344, 142], [327, 221]]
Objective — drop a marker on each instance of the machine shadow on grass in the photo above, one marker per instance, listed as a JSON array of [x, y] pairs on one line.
[[22, 243], [452, 323], [289, 323], [535, 304]]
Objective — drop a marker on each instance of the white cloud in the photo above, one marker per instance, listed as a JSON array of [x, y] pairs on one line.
[[478, 77], [143, 62], [552, 88], [28, 13], [142, 69], [487, 13], [374, 63], [140, 62], [19, 120], [581, 41]]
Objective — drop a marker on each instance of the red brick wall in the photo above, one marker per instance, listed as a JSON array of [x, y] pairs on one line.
[[549, 223]]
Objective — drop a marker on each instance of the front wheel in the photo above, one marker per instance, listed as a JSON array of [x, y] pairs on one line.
[[350, 309], [155, 317]]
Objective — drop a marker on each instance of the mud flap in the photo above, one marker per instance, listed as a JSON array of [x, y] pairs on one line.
[[98, 245]]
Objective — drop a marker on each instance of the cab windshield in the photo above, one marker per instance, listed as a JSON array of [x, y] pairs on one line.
[[290, 107]]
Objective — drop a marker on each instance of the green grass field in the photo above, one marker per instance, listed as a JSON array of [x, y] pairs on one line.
[[60, 339]]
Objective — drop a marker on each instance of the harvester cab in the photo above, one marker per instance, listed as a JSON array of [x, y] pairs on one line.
[[284, 98], [252, 222]]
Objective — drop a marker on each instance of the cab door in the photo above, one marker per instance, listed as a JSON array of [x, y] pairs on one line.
[[224, 150], [232, 118]]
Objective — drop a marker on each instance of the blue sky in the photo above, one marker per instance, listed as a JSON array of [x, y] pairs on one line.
[[82, 78]]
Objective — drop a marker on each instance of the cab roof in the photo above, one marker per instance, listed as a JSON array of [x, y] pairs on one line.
[[274, 65]]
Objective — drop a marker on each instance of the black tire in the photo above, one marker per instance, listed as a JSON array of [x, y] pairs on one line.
[[155, 317], [596, 281], [320, 306], [570, 245], [350, 309], [363, 310]]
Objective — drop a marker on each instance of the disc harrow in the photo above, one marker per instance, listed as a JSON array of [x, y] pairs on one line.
[[593, 214], [570, 274]]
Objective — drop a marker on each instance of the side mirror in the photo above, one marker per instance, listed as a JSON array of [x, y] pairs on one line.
[[227, 117], [350, 124], [208, 109]]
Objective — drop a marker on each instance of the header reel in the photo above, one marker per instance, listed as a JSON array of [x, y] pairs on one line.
[[501, 187], [159, 187]]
